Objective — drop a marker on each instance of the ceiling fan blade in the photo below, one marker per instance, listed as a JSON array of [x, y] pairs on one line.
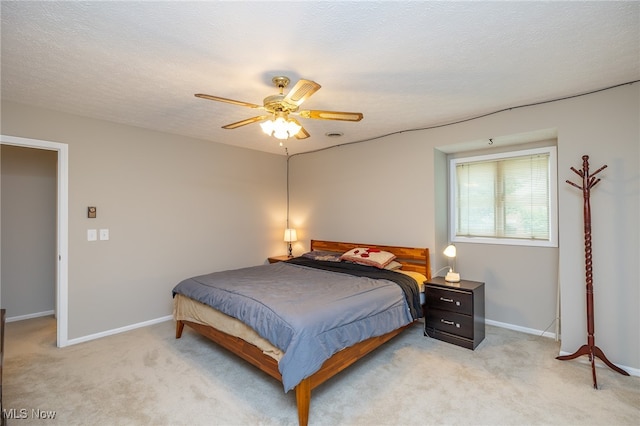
[[332, 115], [301, 92], [302, 133], [229, 101], [245, 122]]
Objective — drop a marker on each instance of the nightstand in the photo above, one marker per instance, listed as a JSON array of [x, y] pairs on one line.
[[275, 259], [454, 311]]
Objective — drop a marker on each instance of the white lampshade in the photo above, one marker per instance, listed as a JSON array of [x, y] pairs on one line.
[[450, 251], [290, 235], [452, 276]]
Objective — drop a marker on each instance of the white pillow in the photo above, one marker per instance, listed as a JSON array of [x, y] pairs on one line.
[[369, 256], [393, 266]]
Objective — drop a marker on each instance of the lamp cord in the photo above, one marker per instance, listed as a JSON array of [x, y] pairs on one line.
[[472, 118], [444, 267], [287, 153]]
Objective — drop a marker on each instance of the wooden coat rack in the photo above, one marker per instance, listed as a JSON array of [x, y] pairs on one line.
[[588, 182]]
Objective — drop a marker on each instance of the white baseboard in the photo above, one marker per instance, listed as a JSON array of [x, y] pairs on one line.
[[29, 316], [631, 371], [600, 364], [533, 331], [118, 330]]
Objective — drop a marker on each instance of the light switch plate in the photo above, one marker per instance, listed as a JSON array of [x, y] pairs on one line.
[[92, 235], [104, 234]]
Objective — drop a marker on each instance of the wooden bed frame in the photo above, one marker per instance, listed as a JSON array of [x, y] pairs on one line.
[[412, 259]]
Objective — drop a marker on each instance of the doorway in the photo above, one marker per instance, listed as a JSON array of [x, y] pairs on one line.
[[61, 304]]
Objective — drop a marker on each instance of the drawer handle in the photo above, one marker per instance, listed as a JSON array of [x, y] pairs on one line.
[[449, 323], [444, 299]]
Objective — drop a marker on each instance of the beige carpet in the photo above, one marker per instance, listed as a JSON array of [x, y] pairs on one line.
[[147, 377]]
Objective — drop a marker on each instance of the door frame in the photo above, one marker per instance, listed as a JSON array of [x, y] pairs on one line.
[[62, 228]]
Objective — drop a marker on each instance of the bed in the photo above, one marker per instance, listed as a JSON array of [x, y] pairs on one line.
[[299, 348]]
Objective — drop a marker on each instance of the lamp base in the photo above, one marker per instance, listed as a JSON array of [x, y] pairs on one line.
[[452, 277]]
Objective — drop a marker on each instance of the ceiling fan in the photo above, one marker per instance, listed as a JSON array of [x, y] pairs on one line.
[[276, 121]]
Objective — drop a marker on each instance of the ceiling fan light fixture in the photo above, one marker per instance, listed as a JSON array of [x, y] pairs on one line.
[[280, 127], [275, 121]]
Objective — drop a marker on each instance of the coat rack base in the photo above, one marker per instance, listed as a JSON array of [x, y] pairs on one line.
[[593, 352]]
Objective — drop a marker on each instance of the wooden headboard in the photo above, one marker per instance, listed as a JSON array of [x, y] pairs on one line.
[[412, 259]]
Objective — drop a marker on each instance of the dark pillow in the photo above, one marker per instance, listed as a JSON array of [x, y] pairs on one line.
[[326, 256]]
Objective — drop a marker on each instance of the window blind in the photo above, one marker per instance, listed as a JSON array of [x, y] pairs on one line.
[[504, 198]]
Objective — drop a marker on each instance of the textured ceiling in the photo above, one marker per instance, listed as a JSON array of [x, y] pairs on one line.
[[404, 65]]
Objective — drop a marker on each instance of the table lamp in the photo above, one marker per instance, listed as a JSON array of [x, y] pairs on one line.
[[452, 276], [290, 236]]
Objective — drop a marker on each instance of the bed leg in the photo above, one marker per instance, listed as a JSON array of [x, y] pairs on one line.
[[179, 328], [303, 399]]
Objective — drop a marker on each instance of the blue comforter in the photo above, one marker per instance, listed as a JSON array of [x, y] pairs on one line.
[[309, 313]]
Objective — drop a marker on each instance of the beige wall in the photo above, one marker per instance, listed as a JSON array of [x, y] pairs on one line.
[[175, 207], [28, 230], [393, 191]]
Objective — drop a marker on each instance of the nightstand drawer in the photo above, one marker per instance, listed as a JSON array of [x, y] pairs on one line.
[[449, 300], [451, 338], [451, 322]]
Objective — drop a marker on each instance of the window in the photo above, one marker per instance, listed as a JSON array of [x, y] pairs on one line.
[[507, 198]]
